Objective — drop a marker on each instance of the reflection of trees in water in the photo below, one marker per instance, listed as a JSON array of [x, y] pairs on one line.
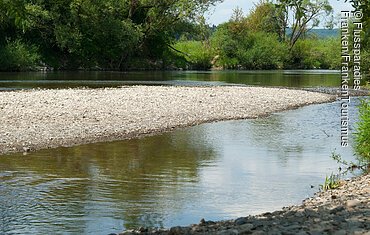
[[292, 133], [269, 78], [135, 180], [274, 136], [278, 135]]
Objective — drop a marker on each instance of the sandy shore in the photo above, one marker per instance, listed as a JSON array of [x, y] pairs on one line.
[[38, 119], [341, 211]]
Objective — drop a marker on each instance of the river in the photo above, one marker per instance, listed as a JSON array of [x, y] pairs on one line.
[[214, 171]]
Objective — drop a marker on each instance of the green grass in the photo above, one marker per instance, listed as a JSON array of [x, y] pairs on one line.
[[362, 135], [331, 182]]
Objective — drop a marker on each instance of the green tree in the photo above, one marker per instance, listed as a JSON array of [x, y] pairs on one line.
[[266, 17], [110, 34], [301, 16]]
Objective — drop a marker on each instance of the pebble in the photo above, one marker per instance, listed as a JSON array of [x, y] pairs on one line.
[[81, 116], [349, 213], [353, 203]]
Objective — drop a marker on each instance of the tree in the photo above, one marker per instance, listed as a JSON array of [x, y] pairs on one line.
[[265, 17], [107, 34], [301, 16]]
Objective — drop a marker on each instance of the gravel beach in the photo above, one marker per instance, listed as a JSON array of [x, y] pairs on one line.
[[341, 211], [39, 119]]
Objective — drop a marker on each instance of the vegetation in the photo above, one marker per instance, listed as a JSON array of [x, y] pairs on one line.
[[18, 56], [331, 182], [260, 40], [168, 34], [71, 34], [362, 135], [313, 53]]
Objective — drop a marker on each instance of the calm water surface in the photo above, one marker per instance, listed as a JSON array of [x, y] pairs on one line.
[[213, 171], [290, 78]]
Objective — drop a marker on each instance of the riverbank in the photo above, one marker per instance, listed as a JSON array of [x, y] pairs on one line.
[[341, 211], [38, 119]]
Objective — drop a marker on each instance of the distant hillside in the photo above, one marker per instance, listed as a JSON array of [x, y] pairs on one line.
[[321, 33]]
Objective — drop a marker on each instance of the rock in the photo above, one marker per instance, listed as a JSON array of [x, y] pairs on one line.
[[258, 233], [353, 203], [241, 220], [179, 230], [348, 214], [246, 228], [302, 233], [228, 232], [292, 227], [340, 232], [142, 229], [336, 209]]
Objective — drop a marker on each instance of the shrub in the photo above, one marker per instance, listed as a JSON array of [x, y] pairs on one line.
[[198, 54], [18, 56], [313, 53], [249, 50], [265, 52], [366, 61], [362, 135]]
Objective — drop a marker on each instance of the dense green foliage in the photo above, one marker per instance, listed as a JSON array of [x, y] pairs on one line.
[[248, 50], [363, 130], [313, 53], [197, 54], [168, 34], [260, 40], [18, 56], [107, 34]]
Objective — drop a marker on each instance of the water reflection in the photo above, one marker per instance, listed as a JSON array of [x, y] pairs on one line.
[[291, 78], [213, 171], [79, 188]]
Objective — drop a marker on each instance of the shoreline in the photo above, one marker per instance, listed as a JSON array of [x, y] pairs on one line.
[[345, 210], [41, 119]]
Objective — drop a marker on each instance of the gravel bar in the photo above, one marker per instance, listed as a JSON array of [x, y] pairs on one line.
[[38, 119], [341, 211]]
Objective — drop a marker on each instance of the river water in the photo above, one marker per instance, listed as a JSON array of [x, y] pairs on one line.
[[214, 171], [289, 78]]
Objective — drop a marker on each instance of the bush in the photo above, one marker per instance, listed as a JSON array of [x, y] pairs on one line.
[[365, 60], [248, 49], [198, 54], [18, 56], [316, 54], [265, 52], [362, 135]]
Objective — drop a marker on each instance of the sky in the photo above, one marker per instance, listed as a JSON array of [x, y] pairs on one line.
[[222, 12]]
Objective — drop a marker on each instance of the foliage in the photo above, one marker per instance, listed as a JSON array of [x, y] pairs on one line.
[[108, 34], [18, 56], [365, 61], [302, 15], [360, 164], [316, 53], [247, 49], [362, 135], [264, 52], [331, 182], [198, 54], [265, 17]]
